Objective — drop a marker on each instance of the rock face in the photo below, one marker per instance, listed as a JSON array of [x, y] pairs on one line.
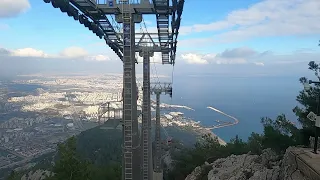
[[267, 166], [195, 174], [36, 175], [289, 168], [246, 166]]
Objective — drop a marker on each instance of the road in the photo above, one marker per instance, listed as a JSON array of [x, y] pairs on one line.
[[27, 159], [236, 121], [12, 152]]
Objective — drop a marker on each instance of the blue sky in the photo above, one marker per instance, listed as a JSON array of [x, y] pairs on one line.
[[213, 32]]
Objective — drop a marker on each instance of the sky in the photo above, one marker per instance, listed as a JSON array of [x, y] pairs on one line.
[[237, 37]]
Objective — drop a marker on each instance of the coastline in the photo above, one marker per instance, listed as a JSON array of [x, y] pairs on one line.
[[213, 135], [200, 131]]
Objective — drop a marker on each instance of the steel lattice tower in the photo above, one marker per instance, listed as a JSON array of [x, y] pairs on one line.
[[158, 89], [93, 15], [146, 118]]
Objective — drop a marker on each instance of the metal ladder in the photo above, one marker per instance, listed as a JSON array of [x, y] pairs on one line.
[[127, 107], [146, 118], [157, 161]]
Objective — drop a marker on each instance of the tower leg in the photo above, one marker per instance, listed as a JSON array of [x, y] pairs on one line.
[[158, 174], [146, 121], [131, 159]]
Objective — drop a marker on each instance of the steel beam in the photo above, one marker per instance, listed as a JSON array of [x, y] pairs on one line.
[[135, 8], [157, 161], [161, 8], [131, 165], [147, 170]]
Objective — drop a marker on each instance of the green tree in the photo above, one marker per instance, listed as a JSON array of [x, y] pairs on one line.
[[236, 146], [255, 143], [206, 149], [69, 165], [279, 134], [13, 176], [309, 102]]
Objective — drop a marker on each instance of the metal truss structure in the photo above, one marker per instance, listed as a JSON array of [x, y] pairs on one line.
[[104, 19], [158, 89], [106, 108]]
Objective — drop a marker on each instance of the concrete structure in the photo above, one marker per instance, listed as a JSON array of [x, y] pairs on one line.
[[93, 16], [306, 162]]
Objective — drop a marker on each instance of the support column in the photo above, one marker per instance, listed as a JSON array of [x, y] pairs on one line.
[[131, 163], [146, 119], [157, 162], [108, 111]]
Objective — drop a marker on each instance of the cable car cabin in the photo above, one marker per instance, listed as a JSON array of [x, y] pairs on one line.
[[169, 91], [137, 93], [169, 140]]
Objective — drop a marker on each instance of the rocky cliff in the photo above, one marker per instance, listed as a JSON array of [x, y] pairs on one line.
[[267, 166], [36, 175]]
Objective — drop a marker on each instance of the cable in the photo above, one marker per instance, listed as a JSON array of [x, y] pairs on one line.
[[156, 73], [155, 68]]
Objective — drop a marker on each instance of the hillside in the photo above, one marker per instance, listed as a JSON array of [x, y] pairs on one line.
[[101, 148]]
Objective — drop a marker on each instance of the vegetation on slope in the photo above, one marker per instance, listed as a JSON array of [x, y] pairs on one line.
[[93, 155]]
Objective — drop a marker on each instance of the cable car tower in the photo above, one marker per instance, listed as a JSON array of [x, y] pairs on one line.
[[158, 89], [93, 15]]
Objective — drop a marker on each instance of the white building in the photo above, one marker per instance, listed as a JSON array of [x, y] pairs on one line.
[[168, 116]]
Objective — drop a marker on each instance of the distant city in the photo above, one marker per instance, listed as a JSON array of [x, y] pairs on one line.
[[34, 120]]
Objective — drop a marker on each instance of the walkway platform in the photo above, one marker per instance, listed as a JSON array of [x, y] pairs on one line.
[[307, 162]]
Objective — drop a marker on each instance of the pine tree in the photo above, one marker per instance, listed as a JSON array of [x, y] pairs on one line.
[[70, 166]]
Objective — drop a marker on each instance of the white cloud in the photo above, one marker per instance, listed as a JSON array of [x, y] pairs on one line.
[[68, 53], [229, 61], [194, 58], [266, 18], [157, 58], [259, 63], [28, 52], [4, 52], [240, 55], [74, 52], [12, 8], [99, 58], [204, 27]]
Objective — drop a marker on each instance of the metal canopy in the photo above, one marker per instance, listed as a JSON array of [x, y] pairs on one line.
[[161, 8]]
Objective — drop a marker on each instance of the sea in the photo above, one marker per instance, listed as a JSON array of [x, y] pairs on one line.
[[246, 98]]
